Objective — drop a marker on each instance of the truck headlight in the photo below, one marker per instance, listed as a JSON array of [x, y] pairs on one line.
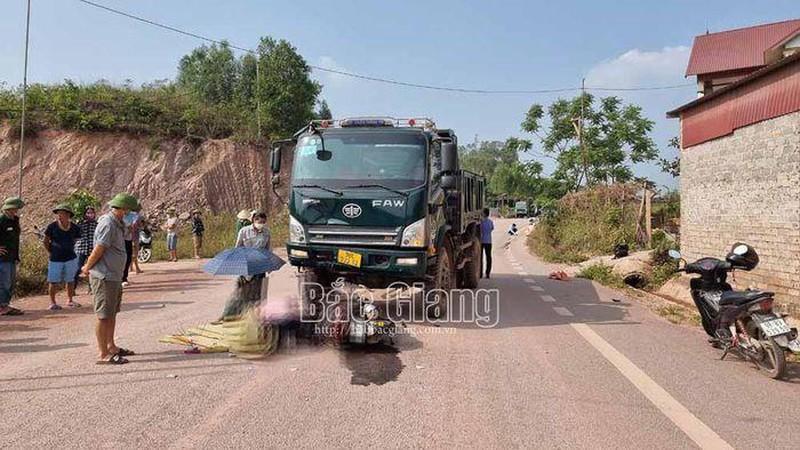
[[296, 233], [414, 235]]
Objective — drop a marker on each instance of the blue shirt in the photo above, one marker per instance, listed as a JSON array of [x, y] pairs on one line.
[[487, 226]]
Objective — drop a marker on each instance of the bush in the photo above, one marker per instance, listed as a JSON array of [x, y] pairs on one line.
[[603, 274], [79, 200], [586, 224], [32, 269]]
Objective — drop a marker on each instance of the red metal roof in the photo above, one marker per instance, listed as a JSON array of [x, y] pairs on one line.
[[768, 93], [742, 48]]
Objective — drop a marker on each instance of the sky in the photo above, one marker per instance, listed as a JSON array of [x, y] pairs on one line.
[[491, 45]]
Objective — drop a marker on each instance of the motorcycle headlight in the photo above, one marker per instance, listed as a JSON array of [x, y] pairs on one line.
[[296, 233], [414, 235]]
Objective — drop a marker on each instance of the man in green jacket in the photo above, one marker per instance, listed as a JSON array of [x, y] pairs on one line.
[[9, 253]]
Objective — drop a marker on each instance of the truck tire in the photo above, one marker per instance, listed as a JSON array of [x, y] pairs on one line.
[[471, 271], [443, 279]]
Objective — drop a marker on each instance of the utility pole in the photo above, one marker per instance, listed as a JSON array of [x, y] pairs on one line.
[[580, 135], [258, 92], [24, 100]]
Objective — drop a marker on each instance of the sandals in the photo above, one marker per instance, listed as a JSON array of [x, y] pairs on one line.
[[55, 307], [11, 311], [114, 360], [125, 352], [74, 304]]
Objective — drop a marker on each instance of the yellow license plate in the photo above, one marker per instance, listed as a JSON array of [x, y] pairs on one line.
[[349, 258]]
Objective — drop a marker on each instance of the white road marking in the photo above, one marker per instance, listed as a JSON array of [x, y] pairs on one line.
[[530, 280], [561, 311], [548, 298], [522, 273], [697, 431], [537, 288]]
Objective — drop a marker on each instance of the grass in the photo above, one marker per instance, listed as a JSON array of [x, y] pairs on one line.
[[32, 269], [603, 274]]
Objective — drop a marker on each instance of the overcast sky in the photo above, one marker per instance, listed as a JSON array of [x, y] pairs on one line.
[[497, 45]]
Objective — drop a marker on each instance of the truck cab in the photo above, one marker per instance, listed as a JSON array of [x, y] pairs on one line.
[[381, 200]]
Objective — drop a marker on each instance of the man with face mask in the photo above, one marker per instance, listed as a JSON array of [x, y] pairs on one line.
[[250, 290], [105, 267], [9, 253]]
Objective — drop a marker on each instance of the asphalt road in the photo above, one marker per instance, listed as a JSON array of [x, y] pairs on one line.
[[565, 366]]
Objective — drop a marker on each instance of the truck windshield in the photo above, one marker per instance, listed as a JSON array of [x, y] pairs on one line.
[[394, 160]]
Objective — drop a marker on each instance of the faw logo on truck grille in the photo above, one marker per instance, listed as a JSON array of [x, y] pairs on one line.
[[351, 210]]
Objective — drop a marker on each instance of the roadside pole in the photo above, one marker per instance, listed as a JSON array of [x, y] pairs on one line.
[[24, 100]]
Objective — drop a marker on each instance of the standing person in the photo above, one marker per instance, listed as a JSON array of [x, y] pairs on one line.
[[9, 253], [487, 226], [105, 267], [130, 219], [172, 233], [59, 241], [86, 242], [137, 226], [197, 232], [242, 220], [250, 290]]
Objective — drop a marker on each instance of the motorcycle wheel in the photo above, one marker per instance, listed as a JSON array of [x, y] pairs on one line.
[[144, 255], [773, 360]]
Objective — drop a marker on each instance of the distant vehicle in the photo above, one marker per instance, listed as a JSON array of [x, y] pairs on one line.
[[521, 209]]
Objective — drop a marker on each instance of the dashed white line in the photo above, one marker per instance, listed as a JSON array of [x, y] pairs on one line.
[[548, 298], [536, 288], [687, 422], [522, 273], [561, 311], [530, 280]]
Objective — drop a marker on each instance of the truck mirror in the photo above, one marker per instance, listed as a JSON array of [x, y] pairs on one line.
[[449, 157], [275, 161], [449, 182]]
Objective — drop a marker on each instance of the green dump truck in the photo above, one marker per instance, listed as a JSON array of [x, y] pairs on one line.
[[381, 200]]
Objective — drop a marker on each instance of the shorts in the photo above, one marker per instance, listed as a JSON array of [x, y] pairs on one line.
[[172, 241], [107, 297], [62, 272]]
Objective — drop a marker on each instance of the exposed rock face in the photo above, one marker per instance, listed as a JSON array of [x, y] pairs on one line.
[[218, 175]]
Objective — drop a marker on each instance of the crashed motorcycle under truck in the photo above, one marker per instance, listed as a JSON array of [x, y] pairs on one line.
[[380, 208]]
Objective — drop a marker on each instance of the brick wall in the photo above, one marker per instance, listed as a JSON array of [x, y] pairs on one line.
[[746, 187]]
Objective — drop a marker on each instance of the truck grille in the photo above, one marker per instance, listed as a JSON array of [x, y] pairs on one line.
[[338, 235]]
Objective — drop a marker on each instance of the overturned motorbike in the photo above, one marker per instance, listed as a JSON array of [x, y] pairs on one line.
[[740, 321]]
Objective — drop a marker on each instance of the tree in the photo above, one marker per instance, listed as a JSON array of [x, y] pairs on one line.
[[614, 136], [287, 92], [79, 200], [487, 155], [210, 72], [324, 112], [672, 166]]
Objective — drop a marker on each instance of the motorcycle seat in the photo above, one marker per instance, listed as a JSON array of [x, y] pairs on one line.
[[741, 297]]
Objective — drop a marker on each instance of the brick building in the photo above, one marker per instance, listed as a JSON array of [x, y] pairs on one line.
[[740, 152]]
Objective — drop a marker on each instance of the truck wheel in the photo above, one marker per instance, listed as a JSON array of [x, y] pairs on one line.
[[443, 281], [311, 286], [471, 271]]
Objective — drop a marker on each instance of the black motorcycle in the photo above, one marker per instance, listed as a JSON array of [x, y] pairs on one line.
[[740, 321], [145, 245]]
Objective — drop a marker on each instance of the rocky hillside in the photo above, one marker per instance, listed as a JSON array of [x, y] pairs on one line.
[[217, 175]]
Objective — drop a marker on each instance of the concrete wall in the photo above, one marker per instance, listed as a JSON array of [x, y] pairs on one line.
[[746, 187]]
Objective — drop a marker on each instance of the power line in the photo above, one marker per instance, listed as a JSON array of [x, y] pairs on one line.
[[372, 78]]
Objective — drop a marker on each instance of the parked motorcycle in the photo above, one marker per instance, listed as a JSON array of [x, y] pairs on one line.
[[145, 245], [740, 321]]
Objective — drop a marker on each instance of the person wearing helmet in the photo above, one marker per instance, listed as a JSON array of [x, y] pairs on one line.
[[9, 253], [171, 227], [59, 241], [105, 267]]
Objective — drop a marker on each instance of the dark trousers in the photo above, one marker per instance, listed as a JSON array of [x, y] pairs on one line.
[[81, 261], [487, 256], [128, 256]]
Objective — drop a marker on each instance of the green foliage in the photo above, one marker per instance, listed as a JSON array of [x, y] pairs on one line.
[[324, 112], [603, 274], [672, 166], [214, 96], [79, 200], [587, 223], [614, 136]]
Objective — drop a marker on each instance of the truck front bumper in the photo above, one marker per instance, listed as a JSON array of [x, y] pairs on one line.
[[404, 264]]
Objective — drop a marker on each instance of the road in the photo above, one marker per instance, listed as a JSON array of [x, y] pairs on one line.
[[566, 366]]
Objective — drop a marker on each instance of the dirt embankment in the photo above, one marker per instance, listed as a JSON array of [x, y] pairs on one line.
[[217, 175]]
